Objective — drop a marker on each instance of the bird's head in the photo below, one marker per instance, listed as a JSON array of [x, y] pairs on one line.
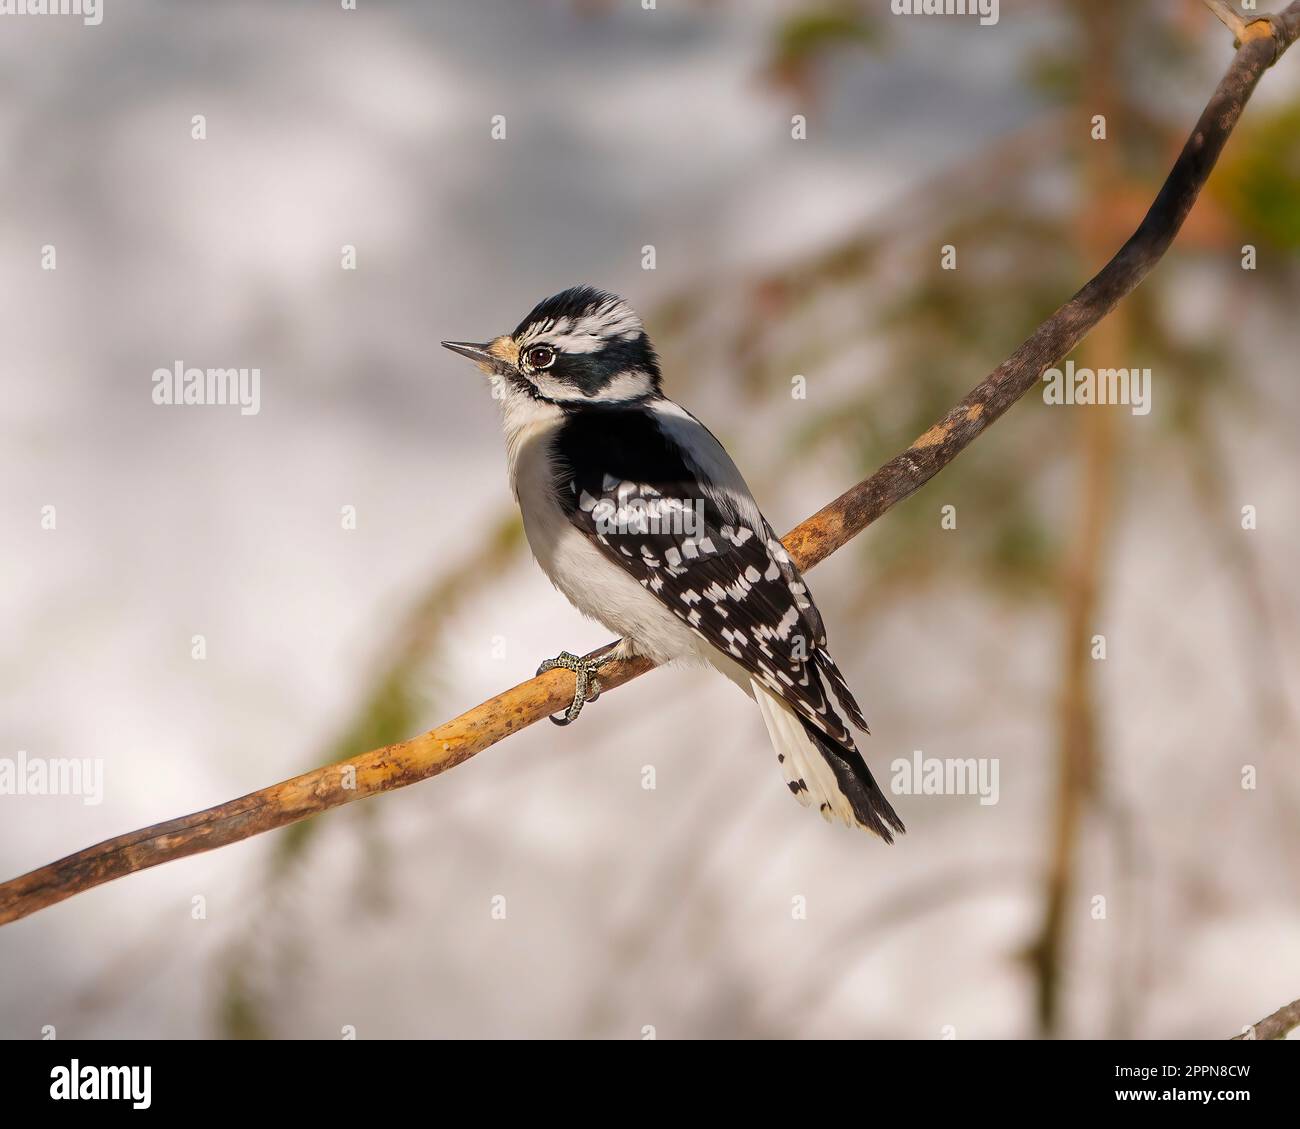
[[580, 346]]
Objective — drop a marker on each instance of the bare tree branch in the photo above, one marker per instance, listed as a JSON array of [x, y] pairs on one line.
[[429, 754], [1276, 1026]]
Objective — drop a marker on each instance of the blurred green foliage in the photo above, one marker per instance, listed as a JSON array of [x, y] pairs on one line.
[[1258, 179]]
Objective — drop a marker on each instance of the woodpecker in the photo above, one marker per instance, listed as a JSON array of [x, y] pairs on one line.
[[638, 515]]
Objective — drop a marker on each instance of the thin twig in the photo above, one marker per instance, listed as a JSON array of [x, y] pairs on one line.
[[1243, 27], [429, 754], [1232, 19]]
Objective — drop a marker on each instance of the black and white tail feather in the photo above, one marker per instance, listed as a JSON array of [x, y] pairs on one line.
[[825, 773], [637, 514]]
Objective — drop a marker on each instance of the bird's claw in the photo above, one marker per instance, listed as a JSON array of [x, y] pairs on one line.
[[587, 688]]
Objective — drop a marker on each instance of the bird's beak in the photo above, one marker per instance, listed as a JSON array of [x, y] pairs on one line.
[[492, 357]]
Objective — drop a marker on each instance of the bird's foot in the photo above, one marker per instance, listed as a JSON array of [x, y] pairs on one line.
[[587, 688]]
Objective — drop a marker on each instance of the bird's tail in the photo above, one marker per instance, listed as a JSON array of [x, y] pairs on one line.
[[825, 773]]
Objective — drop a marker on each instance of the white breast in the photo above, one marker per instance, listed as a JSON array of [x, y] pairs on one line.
[[593, 584]]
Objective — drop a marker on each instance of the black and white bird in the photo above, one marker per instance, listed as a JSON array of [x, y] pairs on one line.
[[638, 515]]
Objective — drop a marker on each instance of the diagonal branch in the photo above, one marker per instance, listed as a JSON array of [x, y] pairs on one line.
[[1276, 1026], [429, 754]]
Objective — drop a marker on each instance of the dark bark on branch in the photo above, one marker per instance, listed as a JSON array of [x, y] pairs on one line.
[[429, 754]]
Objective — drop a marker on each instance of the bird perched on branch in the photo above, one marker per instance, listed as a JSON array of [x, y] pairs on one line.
[[639, 516]]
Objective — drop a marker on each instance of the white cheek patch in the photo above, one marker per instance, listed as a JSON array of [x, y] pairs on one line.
[[553, 389], [629, 385]]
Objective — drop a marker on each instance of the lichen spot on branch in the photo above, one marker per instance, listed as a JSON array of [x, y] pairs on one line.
[[937, 435]]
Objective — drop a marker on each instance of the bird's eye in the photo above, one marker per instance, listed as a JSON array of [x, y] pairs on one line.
[[540, 356]]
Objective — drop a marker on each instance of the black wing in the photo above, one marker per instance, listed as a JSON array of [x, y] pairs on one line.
[[679, 518]]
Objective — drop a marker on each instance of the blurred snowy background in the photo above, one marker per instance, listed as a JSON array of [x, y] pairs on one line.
[[674, 907]]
